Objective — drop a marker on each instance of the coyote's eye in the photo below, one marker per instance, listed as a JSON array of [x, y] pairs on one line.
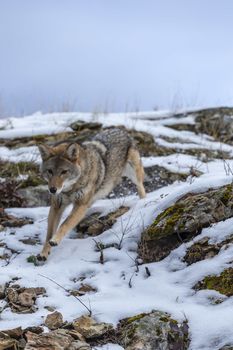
[[50, 172], [63, 172]]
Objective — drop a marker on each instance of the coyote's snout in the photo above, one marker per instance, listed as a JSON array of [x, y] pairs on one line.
[[79, 174]]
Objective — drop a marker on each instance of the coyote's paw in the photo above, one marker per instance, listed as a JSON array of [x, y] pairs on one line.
[[40, 257], [52, 243]]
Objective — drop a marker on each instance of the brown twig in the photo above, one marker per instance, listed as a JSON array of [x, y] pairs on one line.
[[66, 290]]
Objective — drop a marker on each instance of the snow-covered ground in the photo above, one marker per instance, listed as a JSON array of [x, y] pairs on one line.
[[169, 288]]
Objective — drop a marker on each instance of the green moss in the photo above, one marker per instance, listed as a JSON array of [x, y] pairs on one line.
[[32, 260], [222, 283], [165, 319], [227, 194], [135, 318], [171, 216]]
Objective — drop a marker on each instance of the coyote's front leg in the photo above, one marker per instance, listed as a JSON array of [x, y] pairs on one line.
[[54, 218], [71, 221]]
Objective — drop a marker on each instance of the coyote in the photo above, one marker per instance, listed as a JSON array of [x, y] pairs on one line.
[[79, 174]]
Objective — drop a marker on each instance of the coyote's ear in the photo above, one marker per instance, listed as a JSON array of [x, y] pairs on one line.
[[72, 151], [45, 151]]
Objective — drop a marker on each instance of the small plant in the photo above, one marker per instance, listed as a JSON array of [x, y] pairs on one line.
[[32, 260]]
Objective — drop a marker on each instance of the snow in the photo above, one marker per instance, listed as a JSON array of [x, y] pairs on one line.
[[170, 286]]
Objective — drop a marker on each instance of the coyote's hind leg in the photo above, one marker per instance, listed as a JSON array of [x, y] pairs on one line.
[[134, 171]]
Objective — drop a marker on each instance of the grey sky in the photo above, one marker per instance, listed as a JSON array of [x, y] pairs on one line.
[[115, 55]]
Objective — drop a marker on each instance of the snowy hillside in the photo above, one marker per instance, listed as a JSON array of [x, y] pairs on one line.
[[183, 154]]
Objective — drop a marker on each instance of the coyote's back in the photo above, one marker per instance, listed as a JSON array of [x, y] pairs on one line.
[[82, 173]]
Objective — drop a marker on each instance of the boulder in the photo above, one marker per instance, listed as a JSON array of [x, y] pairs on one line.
[[184, 220], [156, 330]]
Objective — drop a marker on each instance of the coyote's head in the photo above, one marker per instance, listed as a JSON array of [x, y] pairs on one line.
[[60, 166]]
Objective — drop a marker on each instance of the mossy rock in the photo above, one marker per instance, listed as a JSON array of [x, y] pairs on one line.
[[155, 330], [80, 125], [221, 283], [184, 220], [95, 224], [201, 250], [147, 145]]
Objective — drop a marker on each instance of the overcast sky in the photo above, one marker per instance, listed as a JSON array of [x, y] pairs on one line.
[[115, 55]]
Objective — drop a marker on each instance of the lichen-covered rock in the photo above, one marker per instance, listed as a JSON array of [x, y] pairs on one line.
[[90, 329], [184, 220], [54, 320], [156, 330], [221, 283]]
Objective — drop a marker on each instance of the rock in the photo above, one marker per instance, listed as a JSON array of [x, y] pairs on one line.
[[55, 340], [22, 300], [15, 333], [33, 329], [7, 220], [2, 291], [84, 289], [34, 140], [30, 241], [35, 196], [201, 250], [147, 145], [80, 125], [90, 329], [9, 195], [156, 330], [216, 122], [184, 220], [7, 343], [95, 224], [54, 320], [221, 283]]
